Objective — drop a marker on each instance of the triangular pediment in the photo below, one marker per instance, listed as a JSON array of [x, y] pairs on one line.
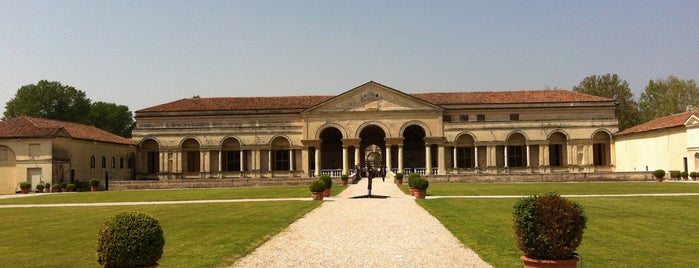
[[692, 121], [372, 96]]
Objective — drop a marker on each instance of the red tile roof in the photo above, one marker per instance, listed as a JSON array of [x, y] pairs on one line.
[[674, 120], [32, 127], [304, 102]]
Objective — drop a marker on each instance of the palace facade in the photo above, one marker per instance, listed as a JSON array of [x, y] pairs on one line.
[[372, 125]]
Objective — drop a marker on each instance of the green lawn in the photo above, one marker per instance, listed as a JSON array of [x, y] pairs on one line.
[[196, 235], [621, 232]]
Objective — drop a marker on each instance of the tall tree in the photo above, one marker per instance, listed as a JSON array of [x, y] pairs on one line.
[[667, 97], [613, 87], [50, 100], [111, 117]]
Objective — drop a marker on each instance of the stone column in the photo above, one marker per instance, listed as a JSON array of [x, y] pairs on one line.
[[505, 153], [400, 158], [388, 158], [345, 160], [161, 161], [220, 154], [242, 165], [356, 156], [317, 171], [475, 155], [441, 169], [455, 158], [528, 159], [428, 159], [291, 160], [269, 159]]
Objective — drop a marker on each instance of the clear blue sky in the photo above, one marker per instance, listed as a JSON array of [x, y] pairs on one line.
[[145, 53]]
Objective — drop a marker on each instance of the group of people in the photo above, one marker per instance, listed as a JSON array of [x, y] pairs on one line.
[[370, 172]]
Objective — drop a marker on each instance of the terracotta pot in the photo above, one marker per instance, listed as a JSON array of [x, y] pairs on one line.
[[344, 182], [327, 192], [317, 195], [25, 191], [534, 263], [399, 181], [659, 179], [419, 193], [412, 191], [94, 188]]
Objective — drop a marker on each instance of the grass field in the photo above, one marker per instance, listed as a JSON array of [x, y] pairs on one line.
[[621, 232]]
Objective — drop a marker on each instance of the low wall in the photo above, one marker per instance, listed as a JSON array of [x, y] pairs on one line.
[[463, 178]]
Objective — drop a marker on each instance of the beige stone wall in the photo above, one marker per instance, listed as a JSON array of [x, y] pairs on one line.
[[661, 149], [32, 162]]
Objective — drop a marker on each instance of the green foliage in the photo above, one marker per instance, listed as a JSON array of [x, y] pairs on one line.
[[344, 177], [94, 182], [130, 239], [420, 183], [39, 187], [327, 180], [684, 174], [50, 100], [548, 227], [675, 174], [664, 97], [317, 186], [63, 185], [113, 118], [25, 185], [411, 179], [70, 187], [399, 176], [659, 173], [693, 174], [613, 87], [47, 185]]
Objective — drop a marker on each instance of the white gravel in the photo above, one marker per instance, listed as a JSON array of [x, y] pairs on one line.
[[345, 232]]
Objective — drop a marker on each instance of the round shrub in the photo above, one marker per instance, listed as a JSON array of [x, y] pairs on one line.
[[344, 177], [675, 174], [693, 174], [399, 176], [130, 239], [94, 182], [411, 179], [327, 180], [548, 227], [317, 186], [420, 183], [659, 173], [25, 185], [684, 174], [39, 187]]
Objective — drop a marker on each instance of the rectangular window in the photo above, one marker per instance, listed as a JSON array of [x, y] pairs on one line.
[[281, 160], [121, 162], [446, 118], [153, 164], [104, 162], [231, 161], [555, 152], [480, 117], [463, 118], [464, 157], [599, 154], [514, 117], [515, 156]]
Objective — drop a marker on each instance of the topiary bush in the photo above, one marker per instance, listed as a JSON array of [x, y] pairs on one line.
[[684, 175], [675, 174], [327, 180], [693, 175], [411, 179], [130, 239], [659, 173], [548, 227], [420, 183], [399, 176], [317, 186], [25, 185]]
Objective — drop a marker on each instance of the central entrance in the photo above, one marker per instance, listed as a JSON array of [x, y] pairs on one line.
[[373, 147]]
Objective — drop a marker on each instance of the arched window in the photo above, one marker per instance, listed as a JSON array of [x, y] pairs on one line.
[[104, 162], [92, 161]]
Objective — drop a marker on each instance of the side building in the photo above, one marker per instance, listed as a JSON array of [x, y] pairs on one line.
[[374, 126], [668, 143], [40, 150]]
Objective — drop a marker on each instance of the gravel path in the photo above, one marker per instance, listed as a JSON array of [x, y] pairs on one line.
[[364, 232]]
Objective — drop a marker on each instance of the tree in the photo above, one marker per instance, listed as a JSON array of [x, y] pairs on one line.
[[111, 117], [611, 86], [667, 97], [49, 100]]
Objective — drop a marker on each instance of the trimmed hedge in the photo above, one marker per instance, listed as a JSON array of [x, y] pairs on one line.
[[327, 180], [130, 239]]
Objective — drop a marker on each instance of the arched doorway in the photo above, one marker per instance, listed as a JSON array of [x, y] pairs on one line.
[[231, 155], [516, 151], [558, 150], [331, 148], [373, 146], [414, 149], [601, 154], [191, 155], [281, 154], [150, 157], [465, 152]]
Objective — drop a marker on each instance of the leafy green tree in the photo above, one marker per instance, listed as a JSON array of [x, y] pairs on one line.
[[613, 87], [50, 100], [664, 97], [111, 117]]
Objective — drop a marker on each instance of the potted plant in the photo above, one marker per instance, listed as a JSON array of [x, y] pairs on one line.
[[548, 229], [659, 175], [64, 186], [40, 188], [411, 180], [25, 187], [693, 175], [328, 185], [70, 187], [420, 185], [130, 239], [56, 187], [685, 175], [675, 174], [317, 188], [344, 179], [47, 187], [399, 178], [94, 185]]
